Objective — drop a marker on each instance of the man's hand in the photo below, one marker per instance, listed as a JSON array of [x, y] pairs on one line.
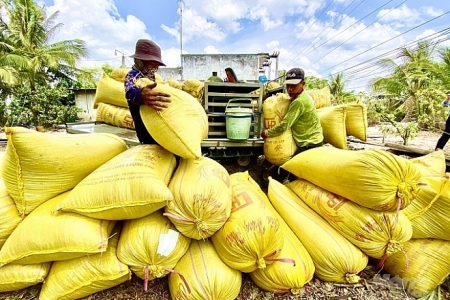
[[156, 100], [264, 134]]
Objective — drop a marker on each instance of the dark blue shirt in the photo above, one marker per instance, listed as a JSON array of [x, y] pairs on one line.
[[133, 95]]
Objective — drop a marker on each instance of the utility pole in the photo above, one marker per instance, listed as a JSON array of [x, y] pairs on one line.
[[123, 57], [181, 39]]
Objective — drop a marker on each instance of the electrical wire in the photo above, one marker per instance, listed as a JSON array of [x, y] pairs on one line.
[[305, 31], [356, 33], [314, 43], [388, 40]]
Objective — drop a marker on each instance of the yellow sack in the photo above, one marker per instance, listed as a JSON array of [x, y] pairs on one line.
[[131, 185], [321, 97], [356, 119], [424, 265], [44, 236], [174, 83], [114, 115], [251, 238], [294, 268], [181, 127], [81, 277], [372, 178], [193, 87], [335, 258], [431, 165], [202, 195], [16, 277], [279, 149], [201, 274], [2, 156], [158, 78], [9, 215], [429, 212], [377, 234], [39, 166], [110, 91], [151, 246], [332, 119], [119, 74]]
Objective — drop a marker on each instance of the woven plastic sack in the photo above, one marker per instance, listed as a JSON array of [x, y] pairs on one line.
[[119, 74], [151, 246], [251, 238], [110, 91], [335, 258], [378, 234], [2, 156], [202, 197], [81, 277], [375, 179], [294, 268], [201, 274], [114, 115], [181, 127], [15, 277], [9, 215], [332, 119], [193, 87], [132, 185], [39, 166], [356, 119], [174, 83], [279, 149], [44, 236], [321, 97], [431, 165], [423, 266], [429, 212]]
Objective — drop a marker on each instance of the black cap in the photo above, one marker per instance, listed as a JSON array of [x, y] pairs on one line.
[[295, 76]]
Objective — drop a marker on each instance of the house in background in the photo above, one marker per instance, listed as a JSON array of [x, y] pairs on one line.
[[84, 99]]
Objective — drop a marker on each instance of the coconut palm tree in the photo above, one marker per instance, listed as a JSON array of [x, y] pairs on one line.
[[411, 72], [337, 89], [26, 48]]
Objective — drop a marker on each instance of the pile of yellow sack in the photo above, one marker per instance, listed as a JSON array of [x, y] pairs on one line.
[[112, 106], [84, 213], [338, 122]]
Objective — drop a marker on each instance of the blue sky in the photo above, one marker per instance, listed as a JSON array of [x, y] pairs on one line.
[[322, 36]]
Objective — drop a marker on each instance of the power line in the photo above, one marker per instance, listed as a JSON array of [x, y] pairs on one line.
[[305, 31], [356, 34], [313, 45], [347, 28], [388, 40]]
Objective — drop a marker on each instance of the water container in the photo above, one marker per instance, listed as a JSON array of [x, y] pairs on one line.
[[238, 119]]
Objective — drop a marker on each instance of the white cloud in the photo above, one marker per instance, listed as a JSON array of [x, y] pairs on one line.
[[400, 17], [272, 45], [211, 50], [431, 11]]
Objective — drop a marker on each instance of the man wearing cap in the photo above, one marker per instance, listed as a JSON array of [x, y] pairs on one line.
[[446, 134], [147, 59], [301, 117]]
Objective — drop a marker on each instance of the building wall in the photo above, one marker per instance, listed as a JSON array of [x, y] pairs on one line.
[[84, 98], [167, 73], [201, 66]]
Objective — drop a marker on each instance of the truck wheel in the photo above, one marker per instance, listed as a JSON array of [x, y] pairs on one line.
[[243, 161]]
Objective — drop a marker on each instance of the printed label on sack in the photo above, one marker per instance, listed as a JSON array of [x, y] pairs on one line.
[[167, 242]]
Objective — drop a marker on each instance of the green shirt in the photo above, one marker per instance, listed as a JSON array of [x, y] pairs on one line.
[[302, 118]]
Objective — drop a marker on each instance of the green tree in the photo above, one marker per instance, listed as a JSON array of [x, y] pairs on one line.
[[315, 82], [411, 74], [337, 89], [27, 55]]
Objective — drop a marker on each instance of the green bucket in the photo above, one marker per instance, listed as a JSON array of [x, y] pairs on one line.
[[238, 119]]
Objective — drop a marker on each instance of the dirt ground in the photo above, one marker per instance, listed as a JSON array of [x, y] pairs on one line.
[[373, 286]]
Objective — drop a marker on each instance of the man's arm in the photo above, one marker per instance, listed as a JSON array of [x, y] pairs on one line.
[[132, 93], [289, 119]]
